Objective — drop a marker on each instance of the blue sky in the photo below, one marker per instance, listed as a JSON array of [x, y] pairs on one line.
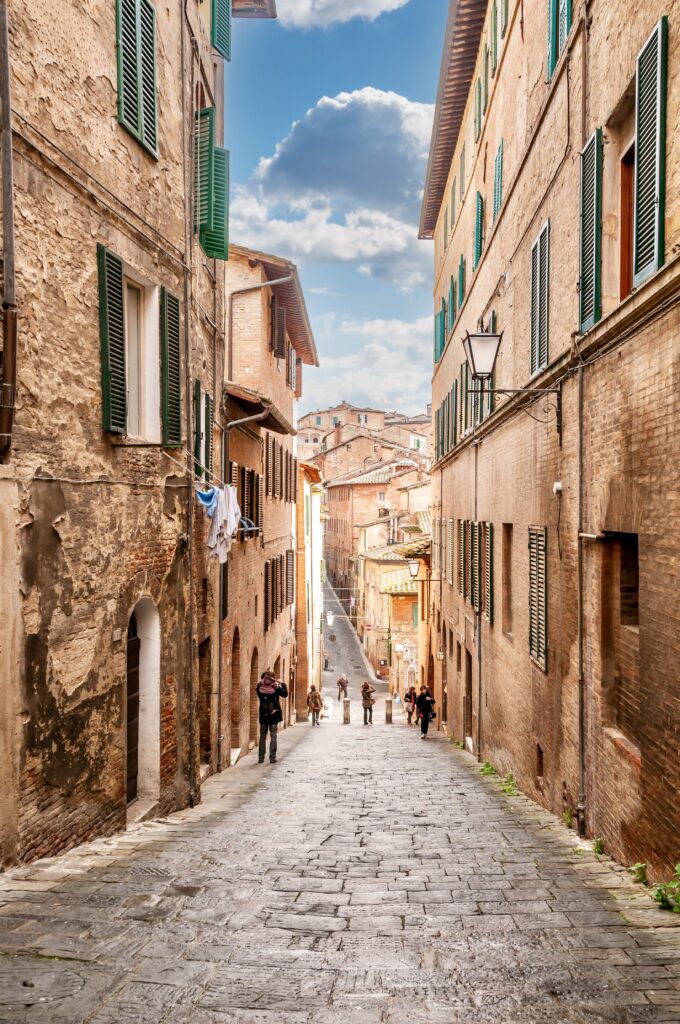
[[328, 119]]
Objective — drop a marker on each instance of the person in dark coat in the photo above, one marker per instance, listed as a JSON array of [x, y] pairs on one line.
[[425, 706], [269, 691], [410, 698], [367, 701]]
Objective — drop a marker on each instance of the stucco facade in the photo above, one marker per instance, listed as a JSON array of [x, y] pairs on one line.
[[563, 667]]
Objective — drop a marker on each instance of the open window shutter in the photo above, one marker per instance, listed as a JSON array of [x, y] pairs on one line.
[[171, 384], [479, 227], [538, 634], [221, 27], [591, 231], [454, 414], [128, 64], [112, 341], [504, 17], [452, 303], [470, 555], [650, 155], [198, 432], [498, 182], [553, 51], [534, 307], [260, 505], [461, 281], [279, 330], [563, 23], [215, 240], [479, 568], [298, 378], [488, 574], [543, 283], [208, 457], [290, 576], [478, 109], [461, 557], [267, 594], [451, 565], [486, 80], [204, 170], [494, 37], [268, 465], [233, 475], [149, 117]]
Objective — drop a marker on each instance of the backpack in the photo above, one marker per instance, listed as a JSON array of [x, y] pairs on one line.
[[269, 705]]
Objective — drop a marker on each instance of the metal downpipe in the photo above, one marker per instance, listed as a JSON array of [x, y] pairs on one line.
[[9, 311]]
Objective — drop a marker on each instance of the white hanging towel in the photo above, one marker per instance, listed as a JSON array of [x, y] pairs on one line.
[[224, 524]]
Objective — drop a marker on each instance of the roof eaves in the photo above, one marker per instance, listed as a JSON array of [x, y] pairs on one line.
[[459, 57]]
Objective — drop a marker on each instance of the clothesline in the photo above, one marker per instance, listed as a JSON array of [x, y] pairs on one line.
[[197, 483]]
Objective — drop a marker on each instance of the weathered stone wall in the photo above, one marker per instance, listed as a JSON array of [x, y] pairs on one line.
[[629, 363]]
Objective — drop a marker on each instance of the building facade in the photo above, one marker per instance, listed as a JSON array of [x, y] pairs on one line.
[[108, 604], [309, 587], [554, 563]]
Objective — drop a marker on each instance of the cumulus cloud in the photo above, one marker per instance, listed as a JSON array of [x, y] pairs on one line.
[[322, 13], [344, 185], [388, 366]]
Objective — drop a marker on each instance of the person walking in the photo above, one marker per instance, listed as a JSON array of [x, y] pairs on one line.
[[367, 701], [425, 706], [410, 702], [269, 691], [342, 686], [314, 703]]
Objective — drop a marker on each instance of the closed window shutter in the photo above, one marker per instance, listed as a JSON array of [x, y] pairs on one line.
[[290, 576], [504, 17], [470, 553], [650, 153], [221, 27], [539, 300], [233, 475], [112, 341], [452, 303], [298, 378], [198, 432], [268, 465], [538, 623], [462, 574], [488, 574], [208, 437], [245, 489], [461, 281], [486, 80], [136, 45], [215, 240], [454, 414], [494, 37], [260, 505], [591, 232], [498, 182], [204, 170], [267, 594], [280, 471], [479, 230], [171, 385], [442, 547], [279, 329], [450, 568]]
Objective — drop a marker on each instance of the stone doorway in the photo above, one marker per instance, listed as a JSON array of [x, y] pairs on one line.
[[142, 713]]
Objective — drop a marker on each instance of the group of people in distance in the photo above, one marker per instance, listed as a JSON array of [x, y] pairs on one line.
[[270, 690]]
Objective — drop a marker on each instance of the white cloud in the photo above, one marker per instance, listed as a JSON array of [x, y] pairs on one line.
[[322, 13], [389, 367], [344, 186]]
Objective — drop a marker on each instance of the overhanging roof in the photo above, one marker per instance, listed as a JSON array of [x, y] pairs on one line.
[[311, 470], [253, 8], [461, 46], [253, 403], [419, 548], [290, 294]]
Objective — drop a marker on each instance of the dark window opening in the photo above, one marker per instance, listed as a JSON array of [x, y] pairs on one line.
[[507, 578], [629, 580], [539, 761], [627, 202]]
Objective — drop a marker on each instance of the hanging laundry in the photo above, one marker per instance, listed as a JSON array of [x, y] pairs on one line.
[[223, 509]]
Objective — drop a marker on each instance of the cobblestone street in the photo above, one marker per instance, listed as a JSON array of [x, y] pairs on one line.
[[367, 877]]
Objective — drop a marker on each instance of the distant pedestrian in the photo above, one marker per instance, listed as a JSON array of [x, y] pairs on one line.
[[314, 703], [367, 701], [425, 705], [269, 691], [342, 686], [410, 698]]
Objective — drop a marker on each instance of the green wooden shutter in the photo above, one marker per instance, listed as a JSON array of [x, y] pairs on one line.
[[494, 36], [650, 154], [221, 27], [171, 385], [209, 417], [488, 574], [538, 611], [198, 433], [563, 23], [204, 170], [112, 341], [498, 181], [461, 281], [452, 303], [559, 25], [539, 300], [479, 230], [591, 232], [504, 17], [215, 241], [136, 46], [442, 329]]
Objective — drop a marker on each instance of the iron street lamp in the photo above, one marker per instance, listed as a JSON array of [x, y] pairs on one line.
[[330, 618], [440, 655], [481, 352], [414, 567]]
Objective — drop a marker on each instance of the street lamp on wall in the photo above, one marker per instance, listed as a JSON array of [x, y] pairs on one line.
[[414, 568], [481, 351], [440, 655], [330, 618]]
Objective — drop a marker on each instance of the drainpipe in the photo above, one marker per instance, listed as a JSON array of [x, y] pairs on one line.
[[581, 806], [478, 620], [9, 311], [230, 314]]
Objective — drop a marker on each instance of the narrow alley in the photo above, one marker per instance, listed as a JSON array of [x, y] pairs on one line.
[[367, 877]]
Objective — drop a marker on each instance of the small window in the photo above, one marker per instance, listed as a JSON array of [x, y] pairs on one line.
[[539, 762], [382, 496], [318, 421], [629, 580], [459, 657]]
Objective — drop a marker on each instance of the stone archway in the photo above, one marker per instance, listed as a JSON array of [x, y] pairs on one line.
[[236, 690], [254, 701], [142, 713]]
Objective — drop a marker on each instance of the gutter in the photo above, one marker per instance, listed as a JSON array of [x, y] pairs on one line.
[[9, 310]]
